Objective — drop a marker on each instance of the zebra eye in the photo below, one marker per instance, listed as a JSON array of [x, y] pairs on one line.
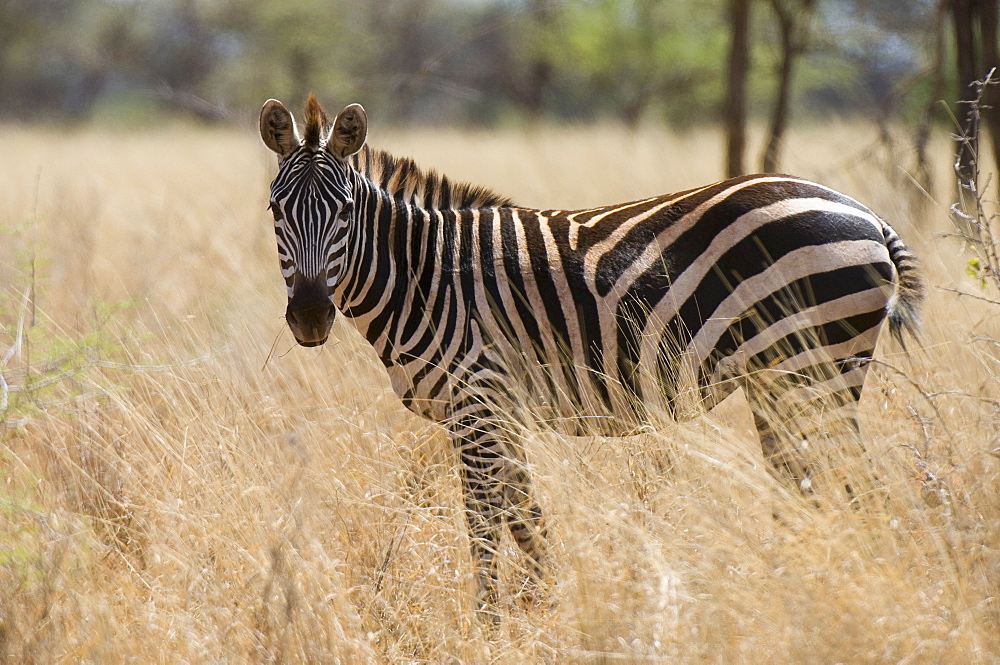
[[275, 210]]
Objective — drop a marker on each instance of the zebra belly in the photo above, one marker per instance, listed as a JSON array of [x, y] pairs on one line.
[[529, 396]]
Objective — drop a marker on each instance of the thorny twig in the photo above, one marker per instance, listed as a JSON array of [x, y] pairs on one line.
[[928, 396], [8, 355], [969, 295], [973, 223]]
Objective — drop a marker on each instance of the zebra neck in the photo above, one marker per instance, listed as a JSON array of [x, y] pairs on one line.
[[397, 253], [372, 282]]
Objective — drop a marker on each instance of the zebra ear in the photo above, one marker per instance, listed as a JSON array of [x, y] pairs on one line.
[[349, 131], [277, 128]]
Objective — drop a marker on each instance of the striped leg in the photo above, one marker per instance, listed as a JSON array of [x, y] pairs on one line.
[[497, 487], [821, 404], [524, 518], [780, 449], [483, 506]]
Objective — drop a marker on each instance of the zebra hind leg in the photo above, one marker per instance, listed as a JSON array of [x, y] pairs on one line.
[[781, 451], [851, 466], [818, 410]]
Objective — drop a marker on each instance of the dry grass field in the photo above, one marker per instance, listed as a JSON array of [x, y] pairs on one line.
[[181, 483]]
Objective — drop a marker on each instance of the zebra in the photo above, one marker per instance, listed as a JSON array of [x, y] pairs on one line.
[[493, 319]]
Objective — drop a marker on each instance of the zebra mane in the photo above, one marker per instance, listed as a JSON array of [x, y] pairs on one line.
[[408, 183]]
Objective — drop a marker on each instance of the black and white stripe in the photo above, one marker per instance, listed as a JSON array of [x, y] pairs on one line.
[[490, 317]]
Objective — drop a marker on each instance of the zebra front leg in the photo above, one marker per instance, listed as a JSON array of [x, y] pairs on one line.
[[482, 512], [497, 487], [524, 517]]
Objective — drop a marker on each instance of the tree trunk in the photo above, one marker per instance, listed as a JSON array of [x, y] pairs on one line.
[[735, 107], [923, 133], [793, 28], [779, 115], [967, 60], [991, 60], [540, 68]]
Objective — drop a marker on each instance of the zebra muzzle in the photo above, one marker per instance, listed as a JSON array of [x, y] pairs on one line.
[[310, 315]]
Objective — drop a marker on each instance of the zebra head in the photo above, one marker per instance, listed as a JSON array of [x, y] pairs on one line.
[[312, 200]]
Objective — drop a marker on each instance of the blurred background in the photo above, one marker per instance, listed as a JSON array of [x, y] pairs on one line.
[[478, 62], [486, 63]]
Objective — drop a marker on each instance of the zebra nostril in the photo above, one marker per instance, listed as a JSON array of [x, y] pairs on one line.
[[311, 326], [310, 315]]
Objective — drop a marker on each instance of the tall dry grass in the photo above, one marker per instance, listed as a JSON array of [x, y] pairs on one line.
[[180, 483]]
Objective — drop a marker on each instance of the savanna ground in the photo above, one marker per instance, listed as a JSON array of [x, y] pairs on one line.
[[179, 482]]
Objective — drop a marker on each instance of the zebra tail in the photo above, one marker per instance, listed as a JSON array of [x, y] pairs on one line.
[[903, 309]]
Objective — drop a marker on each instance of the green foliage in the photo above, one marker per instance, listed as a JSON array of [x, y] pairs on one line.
[[975, 269], [46, 369], [41, 365], [18, 507], [288, 50], [437, 61], [639, 52]]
